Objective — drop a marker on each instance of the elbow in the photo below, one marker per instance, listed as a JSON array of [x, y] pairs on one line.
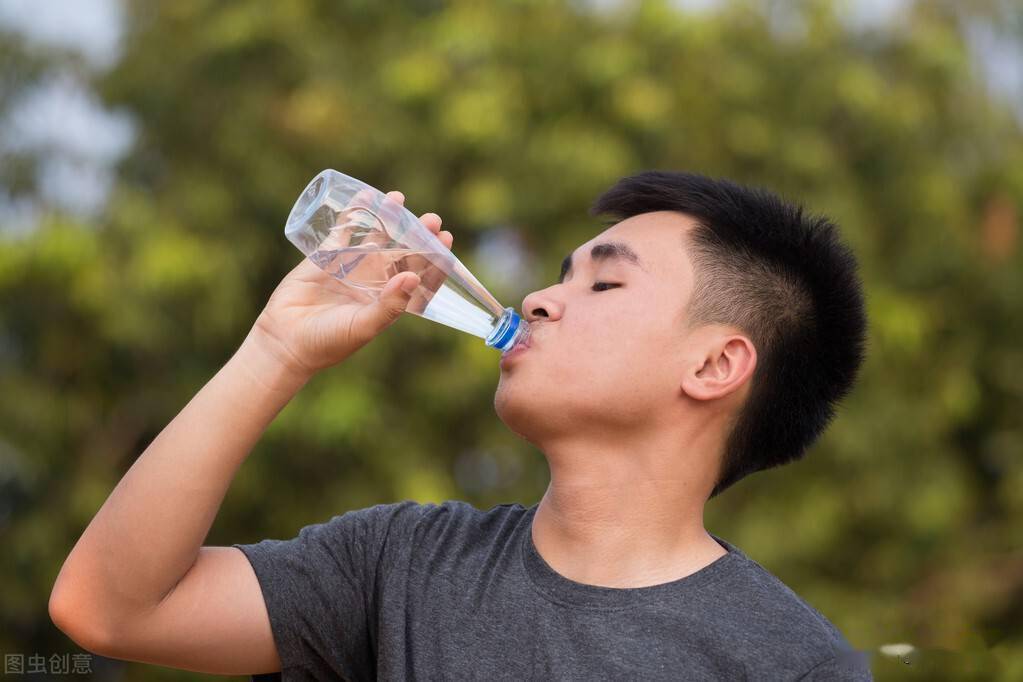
[[75, 619]]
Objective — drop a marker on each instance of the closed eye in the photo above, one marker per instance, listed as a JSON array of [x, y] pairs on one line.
[[604, 286]]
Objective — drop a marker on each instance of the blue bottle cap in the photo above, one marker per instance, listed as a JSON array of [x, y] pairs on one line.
[[506, 332]]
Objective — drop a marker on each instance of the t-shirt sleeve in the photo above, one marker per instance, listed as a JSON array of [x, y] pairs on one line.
[[321, 589], [846, 666]]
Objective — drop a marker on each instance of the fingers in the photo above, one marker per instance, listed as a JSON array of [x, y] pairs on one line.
[[431, 220]]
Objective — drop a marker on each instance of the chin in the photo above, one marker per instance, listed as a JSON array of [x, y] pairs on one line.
[[518, 409], [534, 413]]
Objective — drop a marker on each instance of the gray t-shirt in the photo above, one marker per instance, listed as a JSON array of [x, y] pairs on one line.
[[426, 591]]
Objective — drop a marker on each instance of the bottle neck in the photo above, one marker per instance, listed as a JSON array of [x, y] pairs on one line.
[[509, 331]]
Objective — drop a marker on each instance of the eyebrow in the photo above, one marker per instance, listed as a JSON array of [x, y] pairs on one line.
[[618, 251]]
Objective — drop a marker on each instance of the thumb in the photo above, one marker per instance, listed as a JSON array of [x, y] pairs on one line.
[[393, 298]]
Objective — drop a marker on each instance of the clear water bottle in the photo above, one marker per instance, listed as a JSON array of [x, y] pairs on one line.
[[361, 237]]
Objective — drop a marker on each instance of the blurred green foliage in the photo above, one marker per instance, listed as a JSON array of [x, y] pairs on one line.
[[902, 525]]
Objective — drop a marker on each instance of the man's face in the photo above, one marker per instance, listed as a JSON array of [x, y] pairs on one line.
[[605, 353]]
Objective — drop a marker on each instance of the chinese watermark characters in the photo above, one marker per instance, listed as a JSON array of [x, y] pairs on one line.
[[55, 664]]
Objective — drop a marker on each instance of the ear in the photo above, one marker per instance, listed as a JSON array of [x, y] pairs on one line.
[[725, 366]]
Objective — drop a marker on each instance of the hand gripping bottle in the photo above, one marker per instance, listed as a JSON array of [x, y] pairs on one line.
[[363, 238]]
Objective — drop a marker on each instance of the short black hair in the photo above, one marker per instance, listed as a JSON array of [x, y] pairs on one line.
[[783, 277]]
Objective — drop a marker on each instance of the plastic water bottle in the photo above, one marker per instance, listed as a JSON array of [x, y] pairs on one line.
[[361, 237]]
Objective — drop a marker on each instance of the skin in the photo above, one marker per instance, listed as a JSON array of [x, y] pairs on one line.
[[629, 407]]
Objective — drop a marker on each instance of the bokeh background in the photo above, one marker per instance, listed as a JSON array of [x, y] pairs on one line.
[[151, 152]]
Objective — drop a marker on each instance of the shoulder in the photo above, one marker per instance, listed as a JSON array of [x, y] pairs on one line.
[[462, 519], [774, 621], [411, 521], [774, 598], [378, 521], [457, 535]]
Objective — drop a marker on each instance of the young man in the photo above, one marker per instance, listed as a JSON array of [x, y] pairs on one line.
[[706, 335]]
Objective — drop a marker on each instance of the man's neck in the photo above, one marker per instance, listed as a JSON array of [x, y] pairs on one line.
[[623, 520]]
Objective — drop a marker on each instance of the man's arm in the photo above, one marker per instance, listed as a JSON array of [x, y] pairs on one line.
[[137, 585]]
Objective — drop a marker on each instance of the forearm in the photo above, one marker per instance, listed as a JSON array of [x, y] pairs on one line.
[[148, 533]]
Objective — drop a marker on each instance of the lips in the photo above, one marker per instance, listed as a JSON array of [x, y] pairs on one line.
[[525, 343], [517, 349], [513, 355], [528, 340]]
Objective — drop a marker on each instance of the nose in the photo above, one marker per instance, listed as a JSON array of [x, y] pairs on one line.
[[541, 305]]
